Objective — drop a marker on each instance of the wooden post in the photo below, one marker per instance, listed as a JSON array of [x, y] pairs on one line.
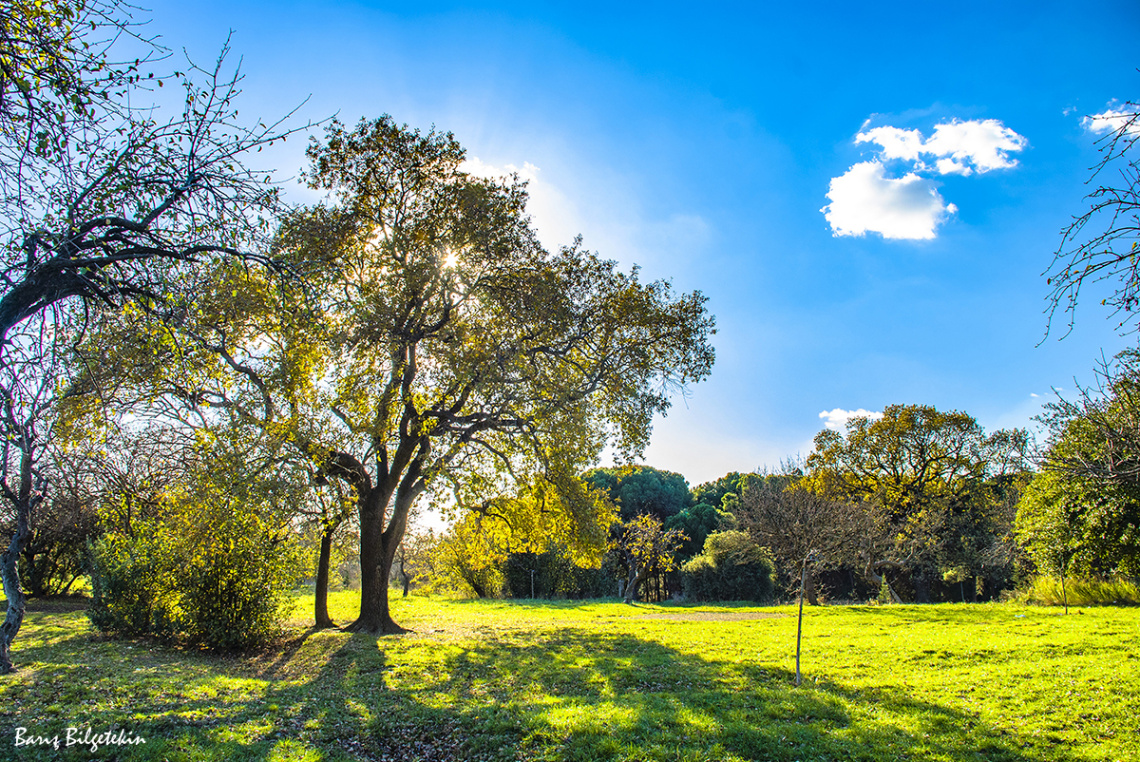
[[800, 619], [1064, 594]]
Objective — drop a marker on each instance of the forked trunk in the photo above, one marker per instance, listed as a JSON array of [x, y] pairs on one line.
[[377, 552], [387, 626], [879, 579], [639, 576]]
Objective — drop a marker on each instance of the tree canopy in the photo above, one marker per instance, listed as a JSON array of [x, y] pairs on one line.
[[713, 492], [456, 354], [924, 482], [643, 490], [104, 202], [1082, 512]]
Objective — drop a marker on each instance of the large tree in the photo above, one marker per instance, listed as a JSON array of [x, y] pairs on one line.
[[643, 490], [924, 479], [459, 353]]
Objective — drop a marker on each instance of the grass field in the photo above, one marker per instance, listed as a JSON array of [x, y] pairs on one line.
[[496, 680]]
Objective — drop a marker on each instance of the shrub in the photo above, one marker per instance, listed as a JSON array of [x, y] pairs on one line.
[[54, 557], [235, 581], [132, 582], [730, 568], [208, 572]]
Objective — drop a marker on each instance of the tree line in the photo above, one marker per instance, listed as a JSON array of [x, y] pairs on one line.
[[914, 505]]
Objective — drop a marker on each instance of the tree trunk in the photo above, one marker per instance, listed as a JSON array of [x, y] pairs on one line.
[[373, 592], [809, 586], [800, 619], [10, 563], [478, 587], [636, 578], [877, 580], [378, 550], [321, 590], [1064, 592], [16, 602]]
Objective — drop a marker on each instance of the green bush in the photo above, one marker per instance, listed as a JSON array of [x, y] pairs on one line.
[[132, 582], [208, 572], [236, 581], [730, 568]]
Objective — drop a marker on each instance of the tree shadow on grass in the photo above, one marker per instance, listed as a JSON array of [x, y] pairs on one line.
[[583, 696], [568, 694]]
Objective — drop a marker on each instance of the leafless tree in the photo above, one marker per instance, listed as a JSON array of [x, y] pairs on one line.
[[796, 524], [1103, 244]]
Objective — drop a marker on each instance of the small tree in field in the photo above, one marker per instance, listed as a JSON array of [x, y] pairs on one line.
[[650, 549], [793, 523]]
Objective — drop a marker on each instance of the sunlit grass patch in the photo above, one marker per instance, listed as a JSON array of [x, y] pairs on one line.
[[498, 680]]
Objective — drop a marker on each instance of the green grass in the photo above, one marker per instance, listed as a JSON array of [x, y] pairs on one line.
[[494, 680]]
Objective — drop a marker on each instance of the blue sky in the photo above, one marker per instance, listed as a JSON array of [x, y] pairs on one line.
[[702, 143]]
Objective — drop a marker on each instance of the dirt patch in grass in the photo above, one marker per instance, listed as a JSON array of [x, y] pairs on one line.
[[712, 616]]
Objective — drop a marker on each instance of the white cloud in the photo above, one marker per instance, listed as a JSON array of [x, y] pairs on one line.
[[974, 146], [837, 419], [895, 143], [1112, 120], [959, 148], [476, 166], [865, 200]]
